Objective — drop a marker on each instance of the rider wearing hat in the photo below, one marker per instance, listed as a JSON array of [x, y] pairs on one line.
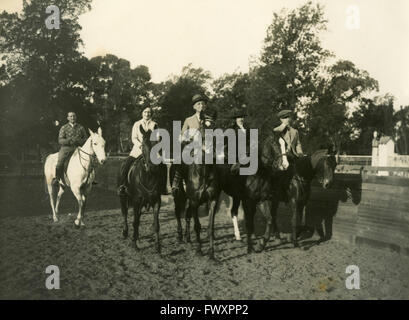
[[289, 134], [238, 125], [190, 127]]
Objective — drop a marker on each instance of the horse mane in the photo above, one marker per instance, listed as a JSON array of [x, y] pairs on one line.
[[317, 156], [306, 166], [269, 144]]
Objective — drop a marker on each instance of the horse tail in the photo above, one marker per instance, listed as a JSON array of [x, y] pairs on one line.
[[45, 159], [45, 177]]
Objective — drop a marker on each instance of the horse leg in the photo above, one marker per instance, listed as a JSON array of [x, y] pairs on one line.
[[136, 220], [300, 211], [84, 204], [77, 193], [212, 210], [194, 209], [51, 196], [188, 216], [178, 211], [274, 225], [234, 213], [265, 208], [249, 212], [124, 210], [156, 208], [294, 225], [57, 203]]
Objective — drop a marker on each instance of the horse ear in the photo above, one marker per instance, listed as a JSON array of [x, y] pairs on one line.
[[90, 132], [99, 131]]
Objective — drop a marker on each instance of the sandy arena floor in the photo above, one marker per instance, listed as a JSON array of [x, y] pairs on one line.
[[96, 263]]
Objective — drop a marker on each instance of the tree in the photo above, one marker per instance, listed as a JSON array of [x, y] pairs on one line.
[[229, 96], [372, 115], [176, 102], [289, 62], [118, 95], [336, 89], [401, 120], [38, 70]]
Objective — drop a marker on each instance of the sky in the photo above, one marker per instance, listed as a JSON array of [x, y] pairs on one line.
[[223, 35]]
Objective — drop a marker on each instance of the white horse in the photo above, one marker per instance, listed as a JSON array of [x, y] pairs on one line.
[[80, 173]]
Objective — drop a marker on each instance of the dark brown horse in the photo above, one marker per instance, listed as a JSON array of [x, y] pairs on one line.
[[144, 180], [294, 185], [202, 186], [255, 190]]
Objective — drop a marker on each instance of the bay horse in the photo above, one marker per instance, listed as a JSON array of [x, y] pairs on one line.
[[202, 186], [255, 190], [144, 181], [294, 185], [79, 176]]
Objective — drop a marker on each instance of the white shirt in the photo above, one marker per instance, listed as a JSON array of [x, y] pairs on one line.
[[137, 135]]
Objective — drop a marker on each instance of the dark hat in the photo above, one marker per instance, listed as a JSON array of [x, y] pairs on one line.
[[275, 122], [239, 114], [284, 113], [199, 97], [210, 113]]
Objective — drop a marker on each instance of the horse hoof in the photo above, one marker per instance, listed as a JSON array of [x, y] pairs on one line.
[[55, 219], [213, 260], [125, 234], [296, 245], [199, 252], [135, 246], [237, 238], [138, 245]]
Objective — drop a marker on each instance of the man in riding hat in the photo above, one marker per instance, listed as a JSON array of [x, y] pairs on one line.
[[71, 136], [289, 134], [191, 125], [238, 126], [147, 124]]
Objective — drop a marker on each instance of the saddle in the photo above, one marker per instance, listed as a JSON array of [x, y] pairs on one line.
[[67, 160], [132, 168]]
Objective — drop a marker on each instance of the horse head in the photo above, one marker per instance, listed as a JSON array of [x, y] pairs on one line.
[[147, 145], [273, 155], [98, 145], [324, 162]]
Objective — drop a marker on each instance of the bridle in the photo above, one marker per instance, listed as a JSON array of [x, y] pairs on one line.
[[91, 155]]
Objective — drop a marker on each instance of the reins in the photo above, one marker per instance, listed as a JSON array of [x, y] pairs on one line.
[[92, 156]]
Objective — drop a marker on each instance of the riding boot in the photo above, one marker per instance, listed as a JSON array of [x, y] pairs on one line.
[[176, 181], [122, 188], [58, 175]]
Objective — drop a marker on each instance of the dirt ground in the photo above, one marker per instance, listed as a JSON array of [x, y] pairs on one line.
[[96, 263]]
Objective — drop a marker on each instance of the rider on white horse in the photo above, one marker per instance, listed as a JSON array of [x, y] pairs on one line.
[[71, 136]]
